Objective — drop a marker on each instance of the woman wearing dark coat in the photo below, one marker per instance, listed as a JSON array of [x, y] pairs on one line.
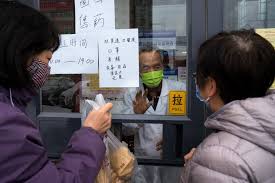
[[27, 41]]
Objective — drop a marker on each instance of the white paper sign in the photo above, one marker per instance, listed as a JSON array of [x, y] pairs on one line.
[[94, 15], [118, 58], [77, 54]]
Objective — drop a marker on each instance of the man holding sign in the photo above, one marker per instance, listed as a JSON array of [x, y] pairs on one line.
[[150, 98]]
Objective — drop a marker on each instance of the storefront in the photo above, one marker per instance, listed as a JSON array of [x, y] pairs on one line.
[[177, 28]]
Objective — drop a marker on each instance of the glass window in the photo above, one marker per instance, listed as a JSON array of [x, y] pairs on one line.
[[162, 27], [159, 28], [248, 14], [61, 92], [256, 14]]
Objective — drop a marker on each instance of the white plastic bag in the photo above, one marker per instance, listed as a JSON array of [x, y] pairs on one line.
[[119, 163], [122, 161], [105, 173], [90, 105]]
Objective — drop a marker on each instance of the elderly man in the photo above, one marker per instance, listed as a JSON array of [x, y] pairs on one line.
[[150, 98]]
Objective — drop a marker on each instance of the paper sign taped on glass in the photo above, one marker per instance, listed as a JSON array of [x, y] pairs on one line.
[[118, 58], [77, 54]]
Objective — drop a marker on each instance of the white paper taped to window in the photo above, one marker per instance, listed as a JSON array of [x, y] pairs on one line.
[[118, 58], [93, 15], [77, 54]]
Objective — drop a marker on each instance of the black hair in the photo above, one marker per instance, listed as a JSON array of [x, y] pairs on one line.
[[24, 32], [241, 62]]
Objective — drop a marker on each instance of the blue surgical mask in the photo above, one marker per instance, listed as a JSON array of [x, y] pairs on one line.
[[198, 95]]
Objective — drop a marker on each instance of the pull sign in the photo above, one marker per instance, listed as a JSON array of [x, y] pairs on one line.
[[177, 102]]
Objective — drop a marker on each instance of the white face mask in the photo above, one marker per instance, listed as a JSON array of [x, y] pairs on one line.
[[39, 72]]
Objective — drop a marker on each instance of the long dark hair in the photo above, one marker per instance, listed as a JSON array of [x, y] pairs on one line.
[[24, 32]]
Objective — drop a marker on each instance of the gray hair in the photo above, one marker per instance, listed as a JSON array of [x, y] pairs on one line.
[[152, 49]]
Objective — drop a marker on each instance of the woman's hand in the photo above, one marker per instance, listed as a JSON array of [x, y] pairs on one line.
[[100, 120], [189, 156]]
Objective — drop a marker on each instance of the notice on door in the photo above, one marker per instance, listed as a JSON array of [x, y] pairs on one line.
[[77, 54], [118, 58], [177, 102], [91, 15]]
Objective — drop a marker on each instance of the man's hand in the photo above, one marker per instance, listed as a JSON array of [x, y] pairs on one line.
[[159, 145], [141, 105]]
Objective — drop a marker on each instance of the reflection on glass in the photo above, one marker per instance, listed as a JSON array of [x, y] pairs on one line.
[[61, 92], [248, 14], [256, 14], [90, 88], [61, 12]]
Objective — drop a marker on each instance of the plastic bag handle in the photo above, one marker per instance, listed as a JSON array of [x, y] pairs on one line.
[[93, 104]]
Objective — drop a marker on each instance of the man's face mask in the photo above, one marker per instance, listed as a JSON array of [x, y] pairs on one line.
[[152, 79], [39, 72]]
